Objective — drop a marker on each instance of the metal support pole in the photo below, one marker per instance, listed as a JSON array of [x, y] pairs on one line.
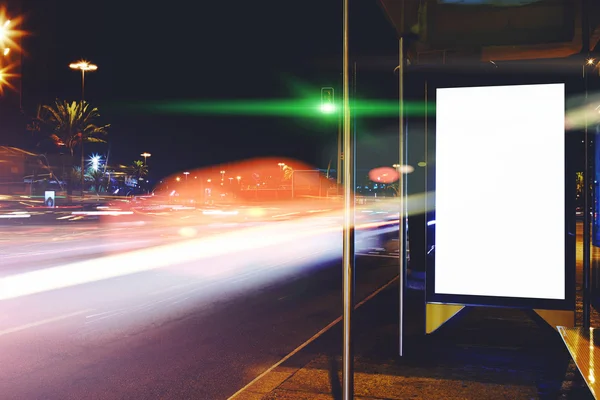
[[82, 84], [402, 188], [402, 213], [82, 152], [292, 179], [348, 232], [586, 214], [352, 183], [339, 151]]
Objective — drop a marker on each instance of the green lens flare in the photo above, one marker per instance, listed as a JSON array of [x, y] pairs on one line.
[[280, 108]]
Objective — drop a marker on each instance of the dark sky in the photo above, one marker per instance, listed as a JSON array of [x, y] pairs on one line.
[[205, 50]]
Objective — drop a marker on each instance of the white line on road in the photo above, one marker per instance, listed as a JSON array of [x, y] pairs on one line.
[[376, 255], [42, 322], [309, 341], [171, 288]]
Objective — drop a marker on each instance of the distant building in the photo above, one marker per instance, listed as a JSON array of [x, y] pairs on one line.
[[15, 164]]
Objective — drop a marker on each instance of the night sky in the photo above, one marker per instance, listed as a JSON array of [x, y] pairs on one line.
[[206, 50]]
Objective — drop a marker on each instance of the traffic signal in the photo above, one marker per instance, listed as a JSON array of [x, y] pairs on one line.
[[327, 100]]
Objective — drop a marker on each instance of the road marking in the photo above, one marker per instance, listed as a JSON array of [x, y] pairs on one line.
[[309, 341], [42, 322], [376, 255], [171, 288], [104, 313]]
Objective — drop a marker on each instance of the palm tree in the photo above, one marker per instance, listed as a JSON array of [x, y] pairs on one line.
[[139, 169], [71, 125], [74, 174], [97, 177], [287, 172], [395, 188]]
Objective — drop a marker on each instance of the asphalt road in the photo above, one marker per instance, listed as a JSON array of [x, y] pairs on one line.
[[165, 321]]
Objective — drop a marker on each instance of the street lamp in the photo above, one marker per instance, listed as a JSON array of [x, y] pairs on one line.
[[186, 175], [239, 178], [9, 31], [404, 169], [222, 175], [4, 75], [4, 31], [145, 155], [84, 67], [95, 162]]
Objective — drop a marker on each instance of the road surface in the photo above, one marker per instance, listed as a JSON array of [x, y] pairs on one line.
[[146, 312]]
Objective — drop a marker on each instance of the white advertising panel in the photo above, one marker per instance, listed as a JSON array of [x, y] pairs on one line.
[[50, 198], [500, 191]]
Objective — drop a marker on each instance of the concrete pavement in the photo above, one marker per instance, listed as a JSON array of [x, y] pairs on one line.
[[484, 353]]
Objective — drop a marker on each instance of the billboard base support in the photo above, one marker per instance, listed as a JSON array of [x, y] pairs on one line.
[[437, 315], [556, 318]]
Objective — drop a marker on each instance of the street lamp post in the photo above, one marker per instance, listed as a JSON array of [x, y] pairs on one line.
[[84, 67], [186, 182], [145, 155]]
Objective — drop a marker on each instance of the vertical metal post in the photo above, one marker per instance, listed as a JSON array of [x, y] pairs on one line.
[[82, 152], [82, 84], [353, 166], [104, 172], [402, 213], [348, 232], [586, 213], [339, 151], [402, 188]]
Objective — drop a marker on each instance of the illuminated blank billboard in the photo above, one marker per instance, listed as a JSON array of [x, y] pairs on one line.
[[500, 192]]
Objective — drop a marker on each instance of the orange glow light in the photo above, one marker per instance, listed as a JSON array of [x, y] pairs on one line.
[[10, 32], [5, 75]]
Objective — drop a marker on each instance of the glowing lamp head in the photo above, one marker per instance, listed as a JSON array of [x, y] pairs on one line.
[[4, 30], [95, 162], [83, 65]]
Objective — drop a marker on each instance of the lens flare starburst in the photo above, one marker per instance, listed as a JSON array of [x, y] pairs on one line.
[[10, 33], [5, 76]]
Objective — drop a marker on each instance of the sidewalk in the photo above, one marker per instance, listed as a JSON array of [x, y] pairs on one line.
[[483, 353]]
